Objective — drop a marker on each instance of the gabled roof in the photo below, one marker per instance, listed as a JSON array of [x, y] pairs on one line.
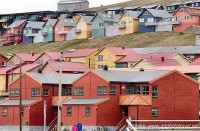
[[80, 53], [53, 78], [16, 23], [6, 69], [84, 101], [53, 55], [120, 51], [114, 8], [25, 68], [159, 62], [107, 17], [196, 62], [159, 13], [67, 22], [69, 66], [35, 24], [26, 57], [16, 102], [188, 10], [133, 14], [129, 76], [52, 22], [87, 19], [131, 7]]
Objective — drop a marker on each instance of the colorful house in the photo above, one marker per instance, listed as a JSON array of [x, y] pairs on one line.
[[49, 30], [3, 59], [68, 67], [187, 16], [48, 56], [140, 95], [101, 23], [65, 29], [23, 58], [153, 59], [152, 20], [33, 32], [84, 27], [86, 56], [108, 56], [14, 33], [128, 22]]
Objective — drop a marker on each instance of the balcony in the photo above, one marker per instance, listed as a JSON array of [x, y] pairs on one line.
[[135, 100], [63, 32], [3, 20], [55, 99], [78, 30], [162, 23], [122, 26]]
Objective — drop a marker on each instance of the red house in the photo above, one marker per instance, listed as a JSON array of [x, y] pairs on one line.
[[14, 33], [107, 97], [187, 16], [2, 59]]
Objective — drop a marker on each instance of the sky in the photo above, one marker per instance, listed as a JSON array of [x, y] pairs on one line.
[[17, 6]]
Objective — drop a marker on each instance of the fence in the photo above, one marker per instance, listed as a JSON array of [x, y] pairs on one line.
[[24, 128]]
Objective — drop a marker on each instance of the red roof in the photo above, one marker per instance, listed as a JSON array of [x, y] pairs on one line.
[[166, 62], [25, 68], [188, 9], [196, 62], [137, 57], [4, 70], [69, 66], [121, 51], [54, 55], [80, 53], [27, 57]]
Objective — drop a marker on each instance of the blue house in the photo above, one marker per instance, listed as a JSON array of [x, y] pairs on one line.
[[33, 32], [49, 30], [152, 20]]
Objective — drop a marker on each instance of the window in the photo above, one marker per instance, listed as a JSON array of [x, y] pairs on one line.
[[141, 20], [12, 92], [78, 91], [100, 66], [35, 92], [101, 90], [129, 90], [66, 91], [4, 112], [80, 58], [155, 112], [22, 111], [154, 91], [69, 111], [87, 111], [112, 90], [50, 29], [16, 92], [146, 13], [45, 92], [145, 90], [193, 10], [136, 90], [150, 20], [100, 57]]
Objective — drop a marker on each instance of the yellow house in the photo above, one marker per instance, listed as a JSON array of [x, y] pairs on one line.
[[108, 56], [162, 59], [84, 27], [129, 23], [86, 56]]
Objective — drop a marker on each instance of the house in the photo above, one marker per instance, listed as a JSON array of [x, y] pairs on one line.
[[23, 58], [36, 88], [138, 94], [14, 33], [48, 56], [114, 10], [3, 59], [84, 27], [173, 7], [154, 6], [33, 32], [68, 67], [86, 56], [191, 52], [128, 22], [157, 59], [101, 23], [152, 20], [108, 56], [65, 29], [49, 30], [187, 16]]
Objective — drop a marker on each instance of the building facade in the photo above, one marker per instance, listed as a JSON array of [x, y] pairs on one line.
[[71, 5]]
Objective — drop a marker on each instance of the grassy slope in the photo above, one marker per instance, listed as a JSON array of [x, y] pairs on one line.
[[131, 40]]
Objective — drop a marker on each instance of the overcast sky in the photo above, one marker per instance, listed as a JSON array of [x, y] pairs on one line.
[[16, 6]]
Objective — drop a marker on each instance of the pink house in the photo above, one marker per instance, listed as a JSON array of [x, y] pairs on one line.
[[63, 28], [186, 16]]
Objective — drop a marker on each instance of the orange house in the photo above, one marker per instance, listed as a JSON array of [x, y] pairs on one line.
[[186, 16], [63, 29]]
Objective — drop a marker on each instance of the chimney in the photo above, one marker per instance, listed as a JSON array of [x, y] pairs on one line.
[[105, 68], [162, 59], [141, 69], [40, 70], [123, 48], [33, 54]]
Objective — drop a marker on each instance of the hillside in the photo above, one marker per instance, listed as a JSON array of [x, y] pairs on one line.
[[136, 3], [131, 40]]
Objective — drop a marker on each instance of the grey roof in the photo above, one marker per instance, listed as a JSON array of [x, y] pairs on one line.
[[160, 13], [67, 22], [52, 21], [83, 101], [87, 19], [148, 6], [130, 76], [179, 49], [16, 23], [131, 7], [134, 14], [110, 18], [114, 8], [35, 24], [16, 102], [53, 78]]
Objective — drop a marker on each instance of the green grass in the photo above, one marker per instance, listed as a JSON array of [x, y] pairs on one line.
[[135, 40]]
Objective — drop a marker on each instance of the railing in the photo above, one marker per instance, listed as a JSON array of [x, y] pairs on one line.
[[135, 100], [63, 32], [122, 26], [162, 23], [52, 125], [121, 124]]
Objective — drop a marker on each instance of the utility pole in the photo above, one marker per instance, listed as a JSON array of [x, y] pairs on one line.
[[89, 63], [45, 109], [20, 99], [59, 95]]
